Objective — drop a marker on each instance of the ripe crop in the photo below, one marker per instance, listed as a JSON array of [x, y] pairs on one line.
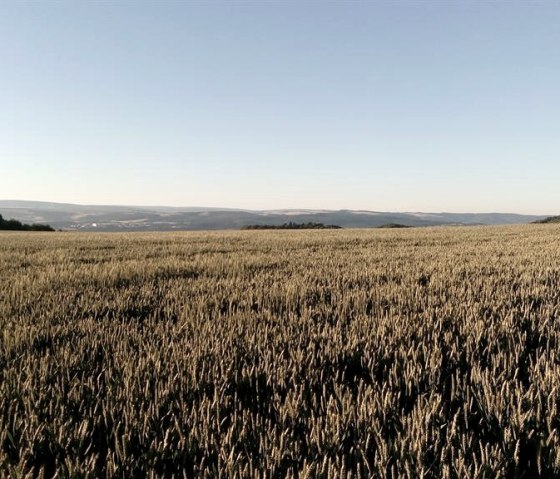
[[407, 353]]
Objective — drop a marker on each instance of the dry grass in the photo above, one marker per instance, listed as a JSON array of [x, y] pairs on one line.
[[309, 354]]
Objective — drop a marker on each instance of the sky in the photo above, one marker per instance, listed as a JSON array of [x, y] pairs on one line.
[[386, 106]]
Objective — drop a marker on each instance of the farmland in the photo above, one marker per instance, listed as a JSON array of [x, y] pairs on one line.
[[393, 353]]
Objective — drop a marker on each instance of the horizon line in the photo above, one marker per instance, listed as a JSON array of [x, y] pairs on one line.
[[227, 208]]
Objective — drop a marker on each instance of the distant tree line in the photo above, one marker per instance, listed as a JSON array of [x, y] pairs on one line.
[[550, 219], [292, 226], [15, 225], [394, 225]]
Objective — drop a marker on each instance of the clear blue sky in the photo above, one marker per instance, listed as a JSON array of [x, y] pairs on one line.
[[399, 106]]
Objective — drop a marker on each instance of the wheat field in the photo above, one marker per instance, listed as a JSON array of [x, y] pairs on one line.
[[417, 353]]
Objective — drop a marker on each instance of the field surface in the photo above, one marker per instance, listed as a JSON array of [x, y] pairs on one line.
[[411, 353]]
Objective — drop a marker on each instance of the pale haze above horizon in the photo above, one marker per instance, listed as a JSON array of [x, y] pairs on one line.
[[386, 106]]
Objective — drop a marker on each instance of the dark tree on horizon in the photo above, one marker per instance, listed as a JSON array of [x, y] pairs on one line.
[[15, 225], [291, 226]]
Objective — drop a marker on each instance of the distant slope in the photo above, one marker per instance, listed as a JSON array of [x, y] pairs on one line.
[[161, 218]]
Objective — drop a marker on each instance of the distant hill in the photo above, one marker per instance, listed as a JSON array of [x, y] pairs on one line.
[[550, 219], [15, 225], [161, 218]]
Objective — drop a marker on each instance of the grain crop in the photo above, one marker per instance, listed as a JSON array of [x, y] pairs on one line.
[[415, 353]]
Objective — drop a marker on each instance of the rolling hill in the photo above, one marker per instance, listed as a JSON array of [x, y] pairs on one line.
[[161, 218]]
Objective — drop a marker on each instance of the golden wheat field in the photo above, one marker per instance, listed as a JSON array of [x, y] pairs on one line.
[[413, 353]]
